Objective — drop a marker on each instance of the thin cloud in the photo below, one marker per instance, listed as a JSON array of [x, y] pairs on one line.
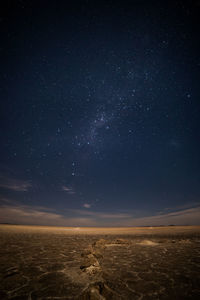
[[28, 215], [181, 207], [67, 189], [189, 216], [35, 215], [100, 215], [86, 205], [13, 184]]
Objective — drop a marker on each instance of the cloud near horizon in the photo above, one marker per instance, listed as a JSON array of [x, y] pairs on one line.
[[27, 215], [24, 214], [13, 184], [190, 216]]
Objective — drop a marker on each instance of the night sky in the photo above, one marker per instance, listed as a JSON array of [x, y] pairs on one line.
[[99, 113]]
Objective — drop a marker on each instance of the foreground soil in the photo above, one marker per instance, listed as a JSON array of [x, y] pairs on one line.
[[99, 263]]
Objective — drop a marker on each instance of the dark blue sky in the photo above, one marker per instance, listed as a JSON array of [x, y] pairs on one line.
[[99, 112]]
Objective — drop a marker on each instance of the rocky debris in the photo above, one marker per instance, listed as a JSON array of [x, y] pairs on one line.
[[121, 241], [87, 252], [90, 262], [99, 244], [97, 290], [118, 242], [98, 254], [92, 270]]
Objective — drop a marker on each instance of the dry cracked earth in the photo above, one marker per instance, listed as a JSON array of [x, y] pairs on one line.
[[76, 263]]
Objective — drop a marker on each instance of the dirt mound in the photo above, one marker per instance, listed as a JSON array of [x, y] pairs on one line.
[[148, 243]]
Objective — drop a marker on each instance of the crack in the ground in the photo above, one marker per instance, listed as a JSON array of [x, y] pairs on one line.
[[97, 288]]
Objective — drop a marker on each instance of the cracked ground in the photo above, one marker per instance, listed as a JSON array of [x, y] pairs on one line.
[[128, 263]]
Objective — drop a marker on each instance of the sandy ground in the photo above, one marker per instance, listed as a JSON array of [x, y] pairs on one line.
[[172, 230], [99, 263]]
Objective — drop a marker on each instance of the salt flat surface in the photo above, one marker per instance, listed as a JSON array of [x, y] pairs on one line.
[[99, 263]]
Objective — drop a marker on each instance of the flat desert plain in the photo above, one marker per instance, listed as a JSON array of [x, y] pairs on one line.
[[99, 263]]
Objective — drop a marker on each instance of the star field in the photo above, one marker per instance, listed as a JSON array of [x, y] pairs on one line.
[[100, 106]]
